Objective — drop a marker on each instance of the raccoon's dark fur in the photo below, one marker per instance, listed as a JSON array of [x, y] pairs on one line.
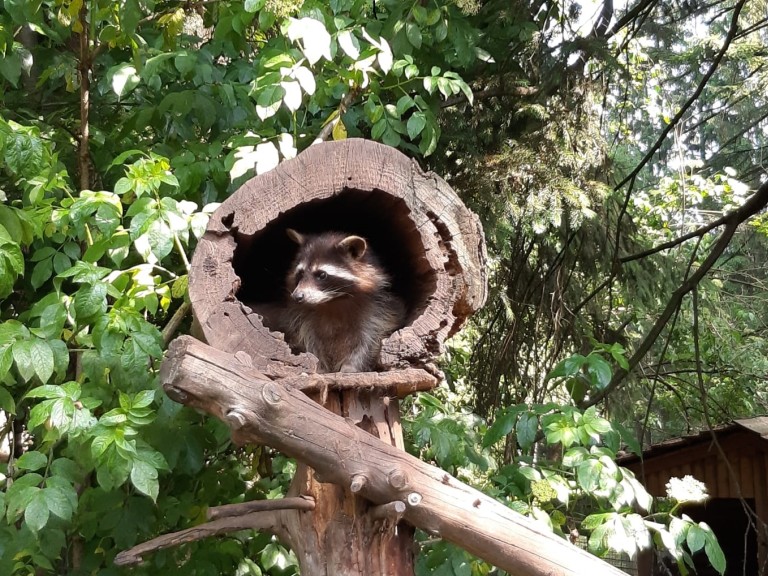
[[340, 306]]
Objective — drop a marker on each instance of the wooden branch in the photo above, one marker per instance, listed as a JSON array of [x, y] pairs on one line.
[[344, 104], [244, 508], [265, 521], [732, 221], [262, 411], [755, 204], [389, 512], [688, 103], [173, 324], [398, 383]]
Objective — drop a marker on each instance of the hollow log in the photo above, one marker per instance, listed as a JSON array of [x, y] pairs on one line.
[[429, 498], [431, 244]]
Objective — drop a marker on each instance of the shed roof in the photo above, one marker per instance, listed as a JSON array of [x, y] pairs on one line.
[[757, 425]]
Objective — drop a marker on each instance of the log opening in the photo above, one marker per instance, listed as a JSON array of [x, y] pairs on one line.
[[261, 260]]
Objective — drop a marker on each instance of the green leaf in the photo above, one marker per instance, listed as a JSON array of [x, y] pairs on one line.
[[42, 358], [67, 470], [90, 301], [404, 104], [599, 370], [594, 520], [598, 539], [36, 513], [572, 365], [123, 186], [696, 538], [349, 44], [6, 361], [413, 33], [41, 272], [588, 475], [575, 456], [47, 391], [416, 124], [22, 355], [502, 425], [315, 39], [559, 429], [253, 6], [32, 460], [628, 438], [102, 442], [160, 238], [144, 478], [419, 13], [526, 429], [378, 129], [12, 254], [427, 399], [59, 502], [123, 78], [7, 403], [594, 423], [577, 388], [712, 549], [10, 68], [143, 399], [24, 153], [429, 138]]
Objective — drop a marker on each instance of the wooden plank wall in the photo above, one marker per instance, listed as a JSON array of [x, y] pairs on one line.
[[744, 475]]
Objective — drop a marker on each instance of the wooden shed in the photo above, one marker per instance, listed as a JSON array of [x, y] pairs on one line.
[[732, 461]]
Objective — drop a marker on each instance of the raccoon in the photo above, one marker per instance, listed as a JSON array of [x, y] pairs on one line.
[[340, 305]]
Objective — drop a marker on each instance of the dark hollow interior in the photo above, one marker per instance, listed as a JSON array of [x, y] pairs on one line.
[[262, 260]]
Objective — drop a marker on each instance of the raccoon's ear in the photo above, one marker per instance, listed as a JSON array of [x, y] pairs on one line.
[[295, 236], [355, 245]]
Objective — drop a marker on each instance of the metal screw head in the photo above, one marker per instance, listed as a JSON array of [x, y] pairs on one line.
[[414, 499]]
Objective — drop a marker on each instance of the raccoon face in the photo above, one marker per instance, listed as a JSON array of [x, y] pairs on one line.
[[327, 266]]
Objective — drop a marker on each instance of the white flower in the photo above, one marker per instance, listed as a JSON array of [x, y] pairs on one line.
[[687, 489]]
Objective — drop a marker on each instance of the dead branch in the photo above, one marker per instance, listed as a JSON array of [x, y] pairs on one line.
[[244, 508], [264, 521], [398, 383]]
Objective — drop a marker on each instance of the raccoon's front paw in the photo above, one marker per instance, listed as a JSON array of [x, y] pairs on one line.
[[349, 368]]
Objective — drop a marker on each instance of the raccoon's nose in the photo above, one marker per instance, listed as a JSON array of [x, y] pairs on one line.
[[298, 296]]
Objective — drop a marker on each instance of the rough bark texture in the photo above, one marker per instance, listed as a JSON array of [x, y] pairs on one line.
[[434, 250], [340, 452]]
